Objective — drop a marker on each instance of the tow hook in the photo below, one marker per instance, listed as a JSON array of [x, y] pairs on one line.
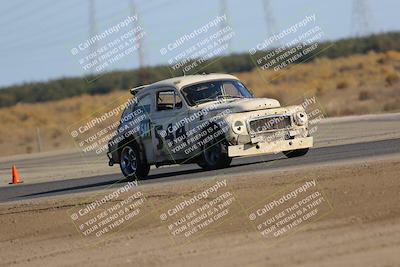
[[110, 160]]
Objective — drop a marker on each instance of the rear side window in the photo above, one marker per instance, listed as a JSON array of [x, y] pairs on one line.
[[144, 103], [126, 113], [168, 100]]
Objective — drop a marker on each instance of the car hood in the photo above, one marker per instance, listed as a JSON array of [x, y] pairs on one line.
[[249, 104]]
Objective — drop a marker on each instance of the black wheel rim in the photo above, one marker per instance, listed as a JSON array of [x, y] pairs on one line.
[[128, 161]]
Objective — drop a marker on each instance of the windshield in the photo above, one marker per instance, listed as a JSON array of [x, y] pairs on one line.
[[215, 90]]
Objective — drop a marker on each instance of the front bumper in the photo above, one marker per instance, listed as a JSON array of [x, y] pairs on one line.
[[269, 147]]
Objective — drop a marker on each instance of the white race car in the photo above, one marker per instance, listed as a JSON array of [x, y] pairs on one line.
[[203, 119]]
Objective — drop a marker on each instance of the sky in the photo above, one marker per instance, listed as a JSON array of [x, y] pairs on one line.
[[37, 36]]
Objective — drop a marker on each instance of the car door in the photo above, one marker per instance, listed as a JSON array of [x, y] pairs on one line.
[[143, 110], [167, 123]]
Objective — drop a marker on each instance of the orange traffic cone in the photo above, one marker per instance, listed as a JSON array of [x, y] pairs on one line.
[[15, 176]]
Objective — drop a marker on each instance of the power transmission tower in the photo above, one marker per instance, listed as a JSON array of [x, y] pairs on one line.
[[361, 18], [92, 27], [224, 12], [142, 73], [269, 18]]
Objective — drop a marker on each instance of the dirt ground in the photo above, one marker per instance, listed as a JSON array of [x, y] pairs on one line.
[[360, 225]]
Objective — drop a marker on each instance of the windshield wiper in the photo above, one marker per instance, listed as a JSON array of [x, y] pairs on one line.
[[234, 96], [231, 96], [228, 96], [204, 100], [216, 99]]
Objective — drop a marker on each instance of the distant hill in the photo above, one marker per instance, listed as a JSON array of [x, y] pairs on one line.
[[236, 63]]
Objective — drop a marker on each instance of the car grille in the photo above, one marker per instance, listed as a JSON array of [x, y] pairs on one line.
[[270, 124]]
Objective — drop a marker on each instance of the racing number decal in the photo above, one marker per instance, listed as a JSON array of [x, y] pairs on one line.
[[144, 128], [180, 132], [169, 134]]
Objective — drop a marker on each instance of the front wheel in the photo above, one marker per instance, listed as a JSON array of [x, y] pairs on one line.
[[295, 153], [132, 165], [215, 155]]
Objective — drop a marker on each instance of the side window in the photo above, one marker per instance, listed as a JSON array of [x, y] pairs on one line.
[[165, 100], [230, 89], [144, 103], [168, 100], [126, 113]]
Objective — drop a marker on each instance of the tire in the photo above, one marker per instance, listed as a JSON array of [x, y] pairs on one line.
[[295, 153], [132, 166], [145, 171], [215, 155]]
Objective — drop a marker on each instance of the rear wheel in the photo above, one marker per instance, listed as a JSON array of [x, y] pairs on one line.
[[132, 165], [145, 171], [296, 153]]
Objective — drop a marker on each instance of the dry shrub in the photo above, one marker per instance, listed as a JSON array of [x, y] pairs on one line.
[[332, 112], [392, 55], [347, 68], [392, 78], [28, 149], [342, 85], [364, 95], [381, 61], [319, 91], [56, 133], [392, 105], [21, 115], [347, 112]]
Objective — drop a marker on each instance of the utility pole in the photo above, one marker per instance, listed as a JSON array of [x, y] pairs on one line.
[[142, 73], [39, 140], [92, 29], [134, 11]]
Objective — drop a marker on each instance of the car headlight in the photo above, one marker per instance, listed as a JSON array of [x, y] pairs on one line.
[[300, 118], [238, 127]]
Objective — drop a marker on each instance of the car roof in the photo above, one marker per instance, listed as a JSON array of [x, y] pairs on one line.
[[182, 81]]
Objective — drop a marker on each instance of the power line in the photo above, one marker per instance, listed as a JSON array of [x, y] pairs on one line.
[[28, 13], [53, 11], [52, 42], [9, 10], [52, 27], [44, 15], [60, 31]]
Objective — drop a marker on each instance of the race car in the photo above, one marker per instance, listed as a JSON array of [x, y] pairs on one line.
[[205, 119]]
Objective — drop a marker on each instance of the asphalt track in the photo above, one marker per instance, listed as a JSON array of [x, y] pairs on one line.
[[192, 171]]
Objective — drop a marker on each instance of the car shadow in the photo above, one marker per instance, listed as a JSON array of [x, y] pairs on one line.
[[86, 185]]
